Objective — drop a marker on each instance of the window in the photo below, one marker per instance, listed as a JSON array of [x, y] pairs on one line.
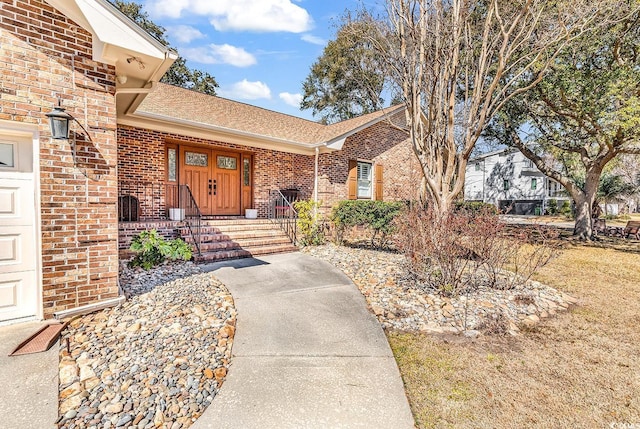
[[246, 171], [227, 162], [171, 165], [506, 185], [534, 184], [478, 166], [364, 179], [528, 164], [7, 158], [196, 159]]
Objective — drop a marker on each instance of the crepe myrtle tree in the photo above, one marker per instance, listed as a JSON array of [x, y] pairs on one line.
[[456, 63], [584, 113]]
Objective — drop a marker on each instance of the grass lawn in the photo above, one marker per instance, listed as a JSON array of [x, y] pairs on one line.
[[580, 369]]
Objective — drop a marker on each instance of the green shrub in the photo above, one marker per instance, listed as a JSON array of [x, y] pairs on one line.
[[565, 210], [378, 216], [310, 229], [476, 207], [152, 249], [552, 207]]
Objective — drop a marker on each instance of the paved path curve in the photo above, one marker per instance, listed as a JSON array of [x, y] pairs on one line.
[[307, 353]]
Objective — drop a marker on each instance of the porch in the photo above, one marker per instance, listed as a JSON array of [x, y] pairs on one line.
[[172, 210]]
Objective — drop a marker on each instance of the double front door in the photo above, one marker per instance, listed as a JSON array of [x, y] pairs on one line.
[[215, 179]]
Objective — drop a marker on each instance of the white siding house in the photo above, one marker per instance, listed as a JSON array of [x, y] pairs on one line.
[[511, 182]]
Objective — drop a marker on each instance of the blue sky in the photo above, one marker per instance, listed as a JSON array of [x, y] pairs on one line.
[[259, 51]]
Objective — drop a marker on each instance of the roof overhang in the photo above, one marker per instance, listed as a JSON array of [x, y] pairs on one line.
[[336, 143], [138, 58], [187, 128], [183, 127]]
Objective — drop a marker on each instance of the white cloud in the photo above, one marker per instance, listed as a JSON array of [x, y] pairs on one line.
[[184, 33], [313, 39], [168, 8], [239, 15], [291, 99], [245, 90], [219, 54]]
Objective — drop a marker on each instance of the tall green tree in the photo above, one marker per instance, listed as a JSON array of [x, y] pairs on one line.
[[179, 73], [347, 80], [585, 112]]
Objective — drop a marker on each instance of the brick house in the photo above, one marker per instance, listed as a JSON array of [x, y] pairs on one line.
[[67, 206]]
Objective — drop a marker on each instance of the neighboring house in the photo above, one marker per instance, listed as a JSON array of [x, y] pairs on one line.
[[510, 181], [66, 206]]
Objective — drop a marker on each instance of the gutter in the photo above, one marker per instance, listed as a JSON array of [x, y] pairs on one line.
[[315, 180], [209, 127]]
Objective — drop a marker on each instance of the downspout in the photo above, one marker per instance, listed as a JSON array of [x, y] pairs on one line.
[[315, 180]]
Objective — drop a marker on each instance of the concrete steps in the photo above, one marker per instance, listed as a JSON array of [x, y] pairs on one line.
[[239, 238]]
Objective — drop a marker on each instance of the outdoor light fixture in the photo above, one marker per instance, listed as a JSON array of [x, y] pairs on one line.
[[59, 122]]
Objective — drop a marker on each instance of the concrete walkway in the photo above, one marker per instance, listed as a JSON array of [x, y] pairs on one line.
[[29, 383], [307, 353]]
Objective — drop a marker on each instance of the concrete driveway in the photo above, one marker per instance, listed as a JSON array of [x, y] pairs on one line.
[[29, 397], [307, 352]]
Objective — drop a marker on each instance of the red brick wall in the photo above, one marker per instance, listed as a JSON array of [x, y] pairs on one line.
[[381, 144], [43, 56], [141, 157]]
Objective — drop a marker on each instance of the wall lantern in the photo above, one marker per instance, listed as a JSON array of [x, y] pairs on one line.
[[59, 122]]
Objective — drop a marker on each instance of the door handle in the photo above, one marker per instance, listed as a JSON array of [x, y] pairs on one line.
[[215, 187], [210, 186]]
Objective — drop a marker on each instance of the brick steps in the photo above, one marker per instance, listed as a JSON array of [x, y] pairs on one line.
[[239, 238]]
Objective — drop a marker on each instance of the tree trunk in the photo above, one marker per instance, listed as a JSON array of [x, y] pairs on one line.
[[583, 226]]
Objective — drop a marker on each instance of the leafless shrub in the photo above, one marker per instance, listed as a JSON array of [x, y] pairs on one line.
[[462, 250], [437, 249]]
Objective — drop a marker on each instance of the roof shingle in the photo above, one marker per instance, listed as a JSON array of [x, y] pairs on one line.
[[183, 104]]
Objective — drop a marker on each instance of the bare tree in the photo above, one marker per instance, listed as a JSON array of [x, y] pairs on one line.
[[457, 62]]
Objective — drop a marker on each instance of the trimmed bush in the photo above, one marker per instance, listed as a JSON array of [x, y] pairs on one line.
[[152, 249], [378, 216]]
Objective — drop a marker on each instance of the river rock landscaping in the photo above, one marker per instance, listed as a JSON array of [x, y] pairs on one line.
[[156, 361], [399, 303]]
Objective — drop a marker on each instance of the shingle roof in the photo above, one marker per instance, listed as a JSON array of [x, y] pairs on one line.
[[174, 102]]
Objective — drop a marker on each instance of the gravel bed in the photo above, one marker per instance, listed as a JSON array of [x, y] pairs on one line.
[[156, 361], [400, 305]]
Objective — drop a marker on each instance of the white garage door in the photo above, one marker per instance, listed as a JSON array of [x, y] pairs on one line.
[[18, 250]]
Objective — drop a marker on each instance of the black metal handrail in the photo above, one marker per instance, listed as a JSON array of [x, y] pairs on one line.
[[152, 201], [282, 212], [192, 215]]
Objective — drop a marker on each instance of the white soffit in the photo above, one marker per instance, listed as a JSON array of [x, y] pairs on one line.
[[109, 29]]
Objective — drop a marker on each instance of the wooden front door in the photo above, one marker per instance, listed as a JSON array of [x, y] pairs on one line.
[[214, 179], [226, 183]]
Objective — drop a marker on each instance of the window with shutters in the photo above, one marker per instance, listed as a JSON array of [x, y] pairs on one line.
[[365, 179]]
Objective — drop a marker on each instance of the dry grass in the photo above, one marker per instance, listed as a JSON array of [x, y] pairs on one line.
[[579, 370]]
